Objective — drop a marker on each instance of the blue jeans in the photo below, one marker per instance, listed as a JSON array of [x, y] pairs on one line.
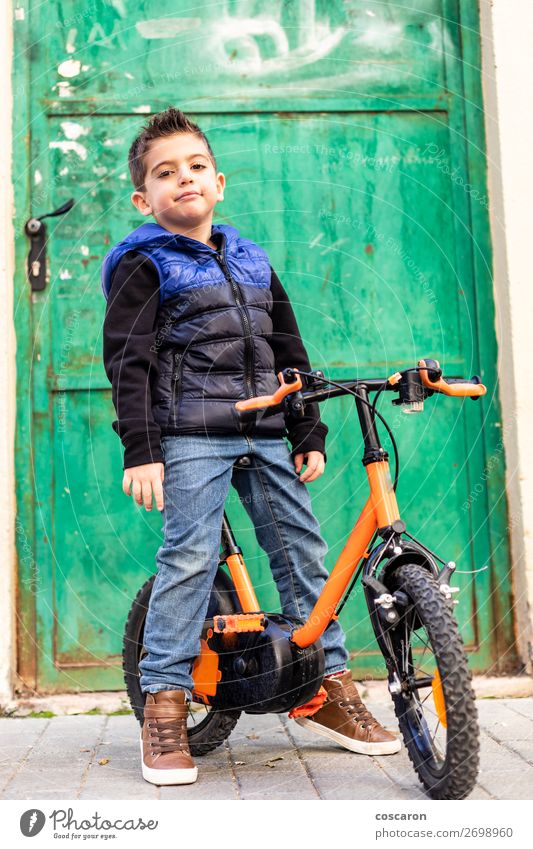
[[198, 474]]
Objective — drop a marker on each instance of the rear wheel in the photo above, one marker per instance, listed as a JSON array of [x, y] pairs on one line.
[[207, 727], [435, 707]]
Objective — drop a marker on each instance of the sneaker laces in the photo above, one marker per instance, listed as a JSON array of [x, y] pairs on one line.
[[171, 735], [351, 701]]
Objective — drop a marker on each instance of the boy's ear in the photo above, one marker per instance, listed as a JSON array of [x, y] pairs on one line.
[[140, 202], [221, 183]]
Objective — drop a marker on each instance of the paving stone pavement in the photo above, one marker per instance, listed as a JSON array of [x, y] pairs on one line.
[[266, 757]]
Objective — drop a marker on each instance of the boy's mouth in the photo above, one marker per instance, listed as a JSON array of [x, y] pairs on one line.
[[186, 195]]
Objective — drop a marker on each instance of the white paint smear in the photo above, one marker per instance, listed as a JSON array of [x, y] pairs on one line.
[[166, 27], [73, 131], [118, 6], [66, 146], [71, 38], [37, 177], [65, 89], [381, 35], [245, 35], [69, 68]]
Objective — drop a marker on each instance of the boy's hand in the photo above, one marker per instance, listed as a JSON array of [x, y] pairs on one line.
[[315, 465], [143, 480]]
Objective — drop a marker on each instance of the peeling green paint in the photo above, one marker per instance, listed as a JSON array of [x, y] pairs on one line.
[[352, 142]]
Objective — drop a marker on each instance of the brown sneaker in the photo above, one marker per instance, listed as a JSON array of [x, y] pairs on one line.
[[165, 754], [344, 719]]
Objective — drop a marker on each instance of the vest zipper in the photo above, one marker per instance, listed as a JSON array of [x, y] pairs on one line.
[[245, 318], [176, 387]]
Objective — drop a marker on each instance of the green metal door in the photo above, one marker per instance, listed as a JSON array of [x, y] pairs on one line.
[[351, 136]]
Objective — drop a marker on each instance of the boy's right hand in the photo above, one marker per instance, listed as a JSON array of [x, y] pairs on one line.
[[143, 480]]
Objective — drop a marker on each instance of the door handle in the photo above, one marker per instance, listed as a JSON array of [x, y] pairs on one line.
[[35, 229]]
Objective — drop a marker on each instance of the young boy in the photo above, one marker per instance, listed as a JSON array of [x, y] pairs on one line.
[[197, 319]]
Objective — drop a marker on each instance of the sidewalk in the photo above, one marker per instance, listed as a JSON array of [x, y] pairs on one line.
[[267, 757]]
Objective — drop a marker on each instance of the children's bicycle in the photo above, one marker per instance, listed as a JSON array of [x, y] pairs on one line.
[[260, 662]]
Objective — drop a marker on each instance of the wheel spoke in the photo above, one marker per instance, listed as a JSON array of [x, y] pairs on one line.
[[424, 643]]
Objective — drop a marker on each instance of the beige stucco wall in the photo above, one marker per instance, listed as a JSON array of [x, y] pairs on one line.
[[507, 72], [507, 36], [7, 371]]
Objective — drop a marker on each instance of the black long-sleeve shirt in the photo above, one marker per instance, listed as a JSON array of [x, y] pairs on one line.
[[131, 363]]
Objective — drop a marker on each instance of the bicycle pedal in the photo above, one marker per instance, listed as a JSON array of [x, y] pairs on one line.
[[238, 623]]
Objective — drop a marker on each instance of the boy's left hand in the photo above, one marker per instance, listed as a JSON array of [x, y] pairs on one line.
[[315, 465]]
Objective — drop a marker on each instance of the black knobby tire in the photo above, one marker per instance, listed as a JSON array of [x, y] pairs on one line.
[[447, 771], [216, 726]]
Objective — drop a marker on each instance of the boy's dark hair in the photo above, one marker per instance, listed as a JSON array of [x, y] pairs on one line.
[[165, 123]]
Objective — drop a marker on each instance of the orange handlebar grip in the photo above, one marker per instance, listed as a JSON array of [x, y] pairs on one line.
[[460, 390], [262, 401]]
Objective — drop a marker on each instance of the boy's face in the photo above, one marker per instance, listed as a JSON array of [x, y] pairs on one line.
[[182, 186]]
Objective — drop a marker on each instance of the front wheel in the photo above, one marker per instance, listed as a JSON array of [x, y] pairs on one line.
[[436, 704]]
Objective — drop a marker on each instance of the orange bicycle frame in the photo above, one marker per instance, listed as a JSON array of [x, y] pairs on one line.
[[380, 510]]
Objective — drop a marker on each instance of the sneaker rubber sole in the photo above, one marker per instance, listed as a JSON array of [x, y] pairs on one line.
[[167, 776], [359, 746]]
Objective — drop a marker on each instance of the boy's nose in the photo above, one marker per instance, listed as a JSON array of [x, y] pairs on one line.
[[185, 177]]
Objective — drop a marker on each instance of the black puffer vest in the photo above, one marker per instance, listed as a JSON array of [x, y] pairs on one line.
[[214, 323]]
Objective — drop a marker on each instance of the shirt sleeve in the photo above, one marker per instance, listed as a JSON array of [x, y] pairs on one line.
[[308, 433], [130, 356]]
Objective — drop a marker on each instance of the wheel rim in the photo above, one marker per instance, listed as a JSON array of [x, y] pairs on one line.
[[423, 702]]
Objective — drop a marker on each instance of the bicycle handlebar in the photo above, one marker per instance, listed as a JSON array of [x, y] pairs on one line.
[[431, 376], [429, 371]]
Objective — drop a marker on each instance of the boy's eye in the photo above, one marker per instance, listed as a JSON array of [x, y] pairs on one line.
[[196, 165]]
